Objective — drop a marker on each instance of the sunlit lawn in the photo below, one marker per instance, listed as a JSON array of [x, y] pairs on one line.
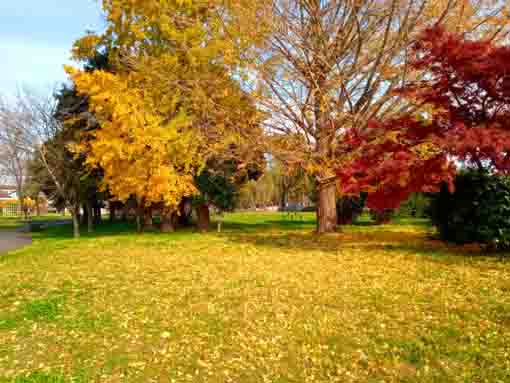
[[263, 301]]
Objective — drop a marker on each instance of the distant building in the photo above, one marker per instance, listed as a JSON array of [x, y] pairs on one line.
[[7, 192], [10, 206]]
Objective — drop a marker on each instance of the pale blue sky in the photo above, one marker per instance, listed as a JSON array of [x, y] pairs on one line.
[[36, 37]]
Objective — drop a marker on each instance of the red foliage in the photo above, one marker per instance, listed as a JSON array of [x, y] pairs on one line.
[[470, 84], [467, 87], [391, 165]]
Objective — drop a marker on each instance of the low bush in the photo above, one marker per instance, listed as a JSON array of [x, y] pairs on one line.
[[416, 206], [477, 211]]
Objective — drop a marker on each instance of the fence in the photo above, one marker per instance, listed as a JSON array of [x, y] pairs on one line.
[[10, 209]]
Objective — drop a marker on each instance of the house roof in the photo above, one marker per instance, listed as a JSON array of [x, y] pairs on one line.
[[7, 192]]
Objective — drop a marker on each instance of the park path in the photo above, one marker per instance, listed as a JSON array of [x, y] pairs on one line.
[[12, 240]]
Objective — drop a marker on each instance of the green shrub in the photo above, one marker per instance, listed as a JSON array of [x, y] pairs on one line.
[[416, 206], [477, 211]]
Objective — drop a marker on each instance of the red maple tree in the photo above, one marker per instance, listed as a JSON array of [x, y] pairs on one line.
[[465, 99]]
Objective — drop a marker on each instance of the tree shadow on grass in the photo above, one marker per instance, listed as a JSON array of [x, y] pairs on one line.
[[369, 243], [269, 225], [106, 229], [447, 253], [256, 223], [279, 232]]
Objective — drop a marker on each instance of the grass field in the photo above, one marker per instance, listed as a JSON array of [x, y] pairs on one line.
[[263, 301], [13, 223]]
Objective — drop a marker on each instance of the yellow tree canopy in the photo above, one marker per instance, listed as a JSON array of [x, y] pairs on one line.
[[140, 152], [170, 100]]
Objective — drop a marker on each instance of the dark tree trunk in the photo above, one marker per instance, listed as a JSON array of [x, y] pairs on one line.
[[169, 221], [90, 217], [283, 197], [326, 207], [147, 219], [97, 213], [185, 210], [76, 221], [326, 204], [84, 217], [24, 211], [348, 210], [204, 218], [21, 199], [125, 213], [139, 218], [111, 207]]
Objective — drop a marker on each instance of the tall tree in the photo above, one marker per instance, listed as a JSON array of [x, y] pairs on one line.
[[37, 140], [15, 145], [169, 103], [60, 174], [332, 65], [278, 186], [73, 112]]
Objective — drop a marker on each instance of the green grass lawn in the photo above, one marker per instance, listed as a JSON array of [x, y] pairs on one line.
[[13, 223], [263, 301], [9, 223]]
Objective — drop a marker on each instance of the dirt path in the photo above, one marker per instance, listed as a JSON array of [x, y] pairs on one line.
[[12, 240]]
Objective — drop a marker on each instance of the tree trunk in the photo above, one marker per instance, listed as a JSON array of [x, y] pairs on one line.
[[139, 219], [168, 221], [90, 218], [326, 185], [283, 196], [24, 210], [111, 207], [21, 199], [97, 213], [76, 221], [147, 219], [204, 218], [185, 210], [84, 217], [125, 213], [326, 207]]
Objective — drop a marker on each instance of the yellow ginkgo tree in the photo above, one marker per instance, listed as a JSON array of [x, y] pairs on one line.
[[169, 101], [141, 154]]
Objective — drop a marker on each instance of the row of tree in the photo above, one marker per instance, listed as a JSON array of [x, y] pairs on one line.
[[184, 100]]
